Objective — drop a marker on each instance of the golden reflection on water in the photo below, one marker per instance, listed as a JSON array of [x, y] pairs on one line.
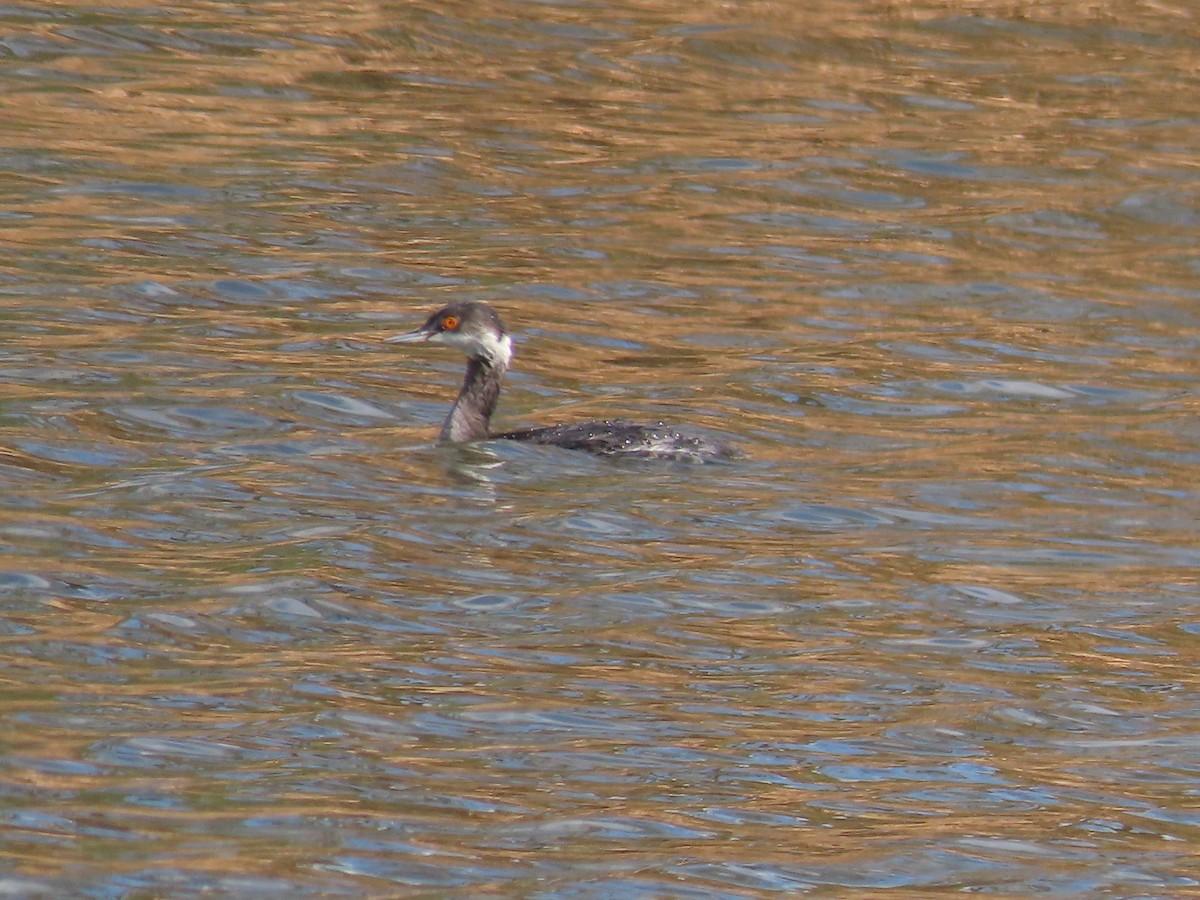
[[932, 265]]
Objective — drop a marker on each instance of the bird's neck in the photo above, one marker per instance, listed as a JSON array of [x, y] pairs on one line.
[[472, 412]]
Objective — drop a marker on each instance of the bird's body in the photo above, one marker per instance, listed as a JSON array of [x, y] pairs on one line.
[[475, 328]]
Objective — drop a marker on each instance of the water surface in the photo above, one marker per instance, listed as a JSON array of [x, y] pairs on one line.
[[933, 267]]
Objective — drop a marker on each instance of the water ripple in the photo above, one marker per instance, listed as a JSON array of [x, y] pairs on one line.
[[935, 272]]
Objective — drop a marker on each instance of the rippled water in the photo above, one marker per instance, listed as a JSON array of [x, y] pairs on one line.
[[934, 267]]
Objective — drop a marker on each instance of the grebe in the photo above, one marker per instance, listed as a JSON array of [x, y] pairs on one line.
[[475, 329]]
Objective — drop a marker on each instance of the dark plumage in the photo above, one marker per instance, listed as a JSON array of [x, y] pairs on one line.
[[476, 330]]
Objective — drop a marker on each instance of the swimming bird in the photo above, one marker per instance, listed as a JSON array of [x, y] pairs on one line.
[[475, 329]]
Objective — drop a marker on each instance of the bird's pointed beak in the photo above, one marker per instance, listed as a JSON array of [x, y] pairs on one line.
[[409, 337]]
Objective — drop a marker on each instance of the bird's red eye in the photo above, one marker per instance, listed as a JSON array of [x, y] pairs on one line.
[[450, 323]]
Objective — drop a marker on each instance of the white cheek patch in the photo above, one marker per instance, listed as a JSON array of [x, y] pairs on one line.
[[497, 350], [501, 350]]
